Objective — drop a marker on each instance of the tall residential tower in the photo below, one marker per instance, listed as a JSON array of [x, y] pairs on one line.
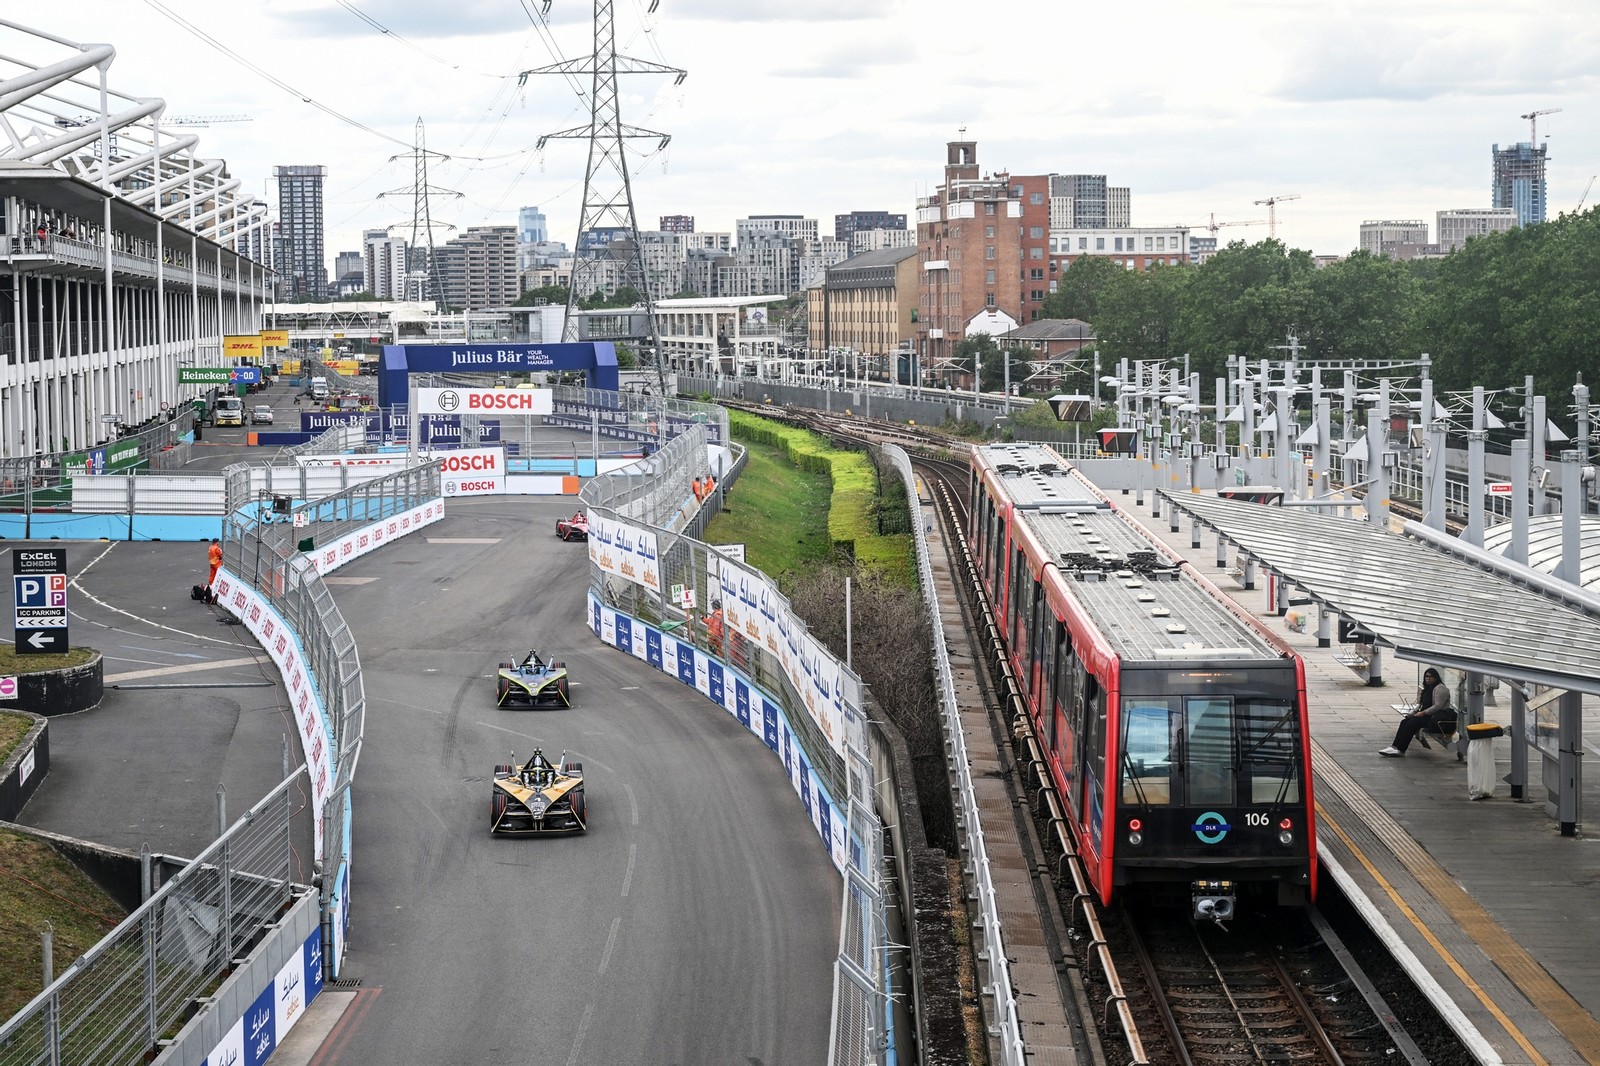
[[1519, 180], [300, 225]]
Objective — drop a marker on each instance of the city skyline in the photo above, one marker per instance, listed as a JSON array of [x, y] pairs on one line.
[[1369, 111]]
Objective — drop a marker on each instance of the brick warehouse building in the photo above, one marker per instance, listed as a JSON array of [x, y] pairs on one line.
[[969, 245]]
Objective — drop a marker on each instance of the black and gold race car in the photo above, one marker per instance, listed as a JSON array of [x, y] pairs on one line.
[[538, 797], [532, 681]]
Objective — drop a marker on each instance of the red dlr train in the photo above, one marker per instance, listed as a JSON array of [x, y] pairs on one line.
[[1174, 722]]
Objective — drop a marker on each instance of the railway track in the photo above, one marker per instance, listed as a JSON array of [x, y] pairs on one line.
[[1223, 996], [1279, 989]]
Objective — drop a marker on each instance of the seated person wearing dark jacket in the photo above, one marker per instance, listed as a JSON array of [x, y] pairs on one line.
[[1433, 713]]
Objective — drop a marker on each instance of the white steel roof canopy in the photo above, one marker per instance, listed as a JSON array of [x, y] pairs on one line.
[[1424, 602]]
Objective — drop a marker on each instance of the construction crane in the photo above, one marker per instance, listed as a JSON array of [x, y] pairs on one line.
[[1585, 196], [1214, 225], [205, 120], [1533, 123], [1272, 203]]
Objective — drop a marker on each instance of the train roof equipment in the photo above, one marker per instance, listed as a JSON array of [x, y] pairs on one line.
[[1150, 606]]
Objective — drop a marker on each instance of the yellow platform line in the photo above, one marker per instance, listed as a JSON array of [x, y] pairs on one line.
[[1565, 1013]]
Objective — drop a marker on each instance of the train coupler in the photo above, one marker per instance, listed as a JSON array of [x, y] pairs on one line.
[[1211, 901]]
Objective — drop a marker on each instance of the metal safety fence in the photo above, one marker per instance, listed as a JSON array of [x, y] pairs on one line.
[[149, 444], [860, 1032], [136, 987], [658, 493], [996, 975], [266, 552]]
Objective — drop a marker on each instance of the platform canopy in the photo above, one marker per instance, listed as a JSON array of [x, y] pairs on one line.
[[1437, 605]]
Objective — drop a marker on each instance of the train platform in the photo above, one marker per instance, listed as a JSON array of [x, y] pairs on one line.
[[1489, 908]]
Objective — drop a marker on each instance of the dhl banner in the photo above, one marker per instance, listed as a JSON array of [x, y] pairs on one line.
[[275, 338], [241, 346]]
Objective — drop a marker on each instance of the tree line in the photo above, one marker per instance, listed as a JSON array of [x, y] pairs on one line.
[[1505, 306]]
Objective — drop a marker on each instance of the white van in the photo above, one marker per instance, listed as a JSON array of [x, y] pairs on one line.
[[319, 388]]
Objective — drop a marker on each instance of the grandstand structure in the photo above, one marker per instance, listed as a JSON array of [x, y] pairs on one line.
[[124, 255]]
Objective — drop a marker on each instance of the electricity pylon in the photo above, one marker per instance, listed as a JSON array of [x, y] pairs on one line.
[[607, 190], [421, 281]]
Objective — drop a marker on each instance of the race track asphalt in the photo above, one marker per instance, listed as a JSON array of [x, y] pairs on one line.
[[696, 922]]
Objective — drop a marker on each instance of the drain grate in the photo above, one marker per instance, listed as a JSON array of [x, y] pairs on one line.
[[344, 982]]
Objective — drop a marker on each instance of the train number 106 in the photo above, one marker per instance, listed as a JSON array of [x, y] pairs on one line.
[[1257, 818]]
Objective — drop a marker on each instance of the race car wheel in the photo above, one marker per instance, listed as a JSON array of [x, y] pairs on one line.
[[502, 689], [506, 666], [575, 769], [503, 768], [561, 690], [578, 810], [497, 808]]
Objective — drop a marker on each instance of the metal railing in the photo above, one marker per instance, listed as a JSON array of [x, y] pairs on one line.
[[658, 492], [996, 977], [264, 550], [47, 470], [137, 985], [860, 1031]]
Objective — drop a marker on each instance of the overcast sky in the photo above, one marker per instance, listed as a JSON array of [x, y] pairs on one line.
[[1363, 109]]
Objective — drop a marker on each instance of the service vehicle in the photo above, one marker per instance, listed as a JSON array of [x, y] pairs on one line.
[[538, 797], [319, 388], [574, 528], [532, 681], [261, 415], [229, 411]]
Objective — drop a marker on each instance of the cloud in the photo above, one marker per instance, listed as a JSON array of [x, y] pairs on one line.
[[1367, 59], [851, 61], [419, 21], [734, 11]]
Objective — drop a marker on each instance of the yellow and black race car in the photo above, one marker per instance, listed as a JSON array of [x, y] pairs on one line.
[[538, 797]]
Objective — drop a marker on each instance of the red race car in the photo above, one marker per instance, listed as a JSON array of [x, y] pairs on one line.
[[576, 527]]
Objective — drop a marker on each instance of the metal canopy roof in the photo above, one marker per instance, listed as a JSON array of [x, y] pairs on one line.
[[1429, 606], [1545, 545]]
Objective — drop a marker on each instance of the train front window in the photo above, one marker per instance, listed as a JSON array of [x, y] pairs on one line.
[[1146, 752], [1271, 742], [1209, 763]]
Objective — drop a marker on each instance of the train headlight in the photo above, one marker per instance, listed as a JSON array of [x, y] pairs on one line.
[[1286, 832], [1135, 832]]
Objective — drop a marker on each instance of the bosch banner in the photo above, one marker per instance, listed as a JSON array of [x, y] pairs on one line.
[[472, 471], [485, 401]]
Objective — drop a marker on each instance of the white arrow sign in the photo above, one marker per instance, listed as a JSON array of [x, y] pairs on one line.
[[39, 640]]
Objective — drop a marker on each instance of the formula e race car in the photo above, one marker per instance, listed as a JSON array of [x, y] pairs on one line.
[[538, 797], [532, 681], [574, 528]]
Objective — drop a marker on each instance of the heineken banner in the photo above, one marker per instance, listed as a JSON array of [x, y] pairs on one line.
[[111, 459], [218, 375]]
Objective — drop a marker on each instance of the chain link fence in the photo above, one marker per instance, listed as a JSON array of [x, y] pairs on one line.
[[139, 984]]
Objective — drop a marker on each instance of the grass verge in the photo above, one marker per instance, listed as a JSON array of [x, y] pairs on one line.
[[13, 727], [778, 512], [37, 886], [12, 663]]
